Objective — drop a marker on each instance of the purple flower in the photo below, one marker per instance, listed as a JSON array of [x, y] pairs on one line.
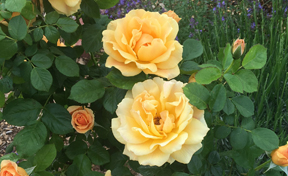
[[214, 9], [190, 35], [238, 30], [223, 19], [223, 3], [253, 25]]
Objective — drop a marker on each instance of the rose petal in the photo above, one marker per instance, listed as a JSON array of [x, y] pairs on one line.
[[126, 69], [148, 53], [115, 124], [72, 109], [156, 158], [175, 144], [141, 149], [185, 154], [197, 131]]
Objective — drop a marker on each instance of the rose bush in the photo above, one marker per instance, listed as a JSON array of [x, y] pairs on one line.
[[157, 123], [143, 41], [10, 168], [66, 7], [82, 118]]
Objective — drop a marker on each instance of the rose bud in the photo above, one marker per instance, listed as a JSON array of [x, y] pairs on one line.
[[238, 48], [10, 168], [280, 156], [82, 119], [172, 14]]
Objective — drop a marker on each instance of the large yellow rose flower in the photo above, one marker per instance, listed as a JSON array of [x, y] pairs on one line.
[[157, 123], [66, 7], [143, 41]]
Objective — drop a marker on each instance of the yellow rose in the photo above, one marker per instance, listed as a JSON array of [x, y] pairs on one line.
[[280, 156], [157, 123], [82, 119], [143, 41], [10, 168], [173, 15], [66, 7]]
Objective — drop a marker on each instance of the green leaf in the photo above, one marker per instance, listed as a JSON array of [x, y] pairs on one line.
[[11, 156], [248, 79], [57, 141], [244, 105], [192, 49], [248, 123], [81, 165], [92, 43], [51, 17], [17, 27], [52, 34], [222, 132], [113, 96], [42, 173], [94, 173], [218, 98], [67, 66], [42, 61], [106, 4], [22, 112], [44, 157], [195, 164], [2, 34], [15, 5], [229, 107], [207, 75], [30, 170], [238, 138], [31, 50], [214, 157], [234, 82], [255, 58], [180, 174], [28, 39], [57, 119], [28, 11], [8, 48], [41, 79], [197, 94], [265, 139], [76, 148], [6, 84], [38, 34], [90, 8], [188, 67], [87, 91], [97, 154], [122, 82], [29, 140], [2, 99], [67, 24], [225, 56]]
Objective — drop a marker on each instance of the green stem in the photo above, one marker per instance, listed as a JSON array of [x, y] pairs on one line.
[[262, 165]]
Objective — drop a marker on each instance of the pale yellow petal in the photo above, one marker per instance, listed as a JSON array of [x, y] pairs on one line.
[[169, 73], [196, 130], [175, 144], [141, 149], [115, 124], [126, 69], [185, 154], [156, 158], [72, 109], [148, 53]]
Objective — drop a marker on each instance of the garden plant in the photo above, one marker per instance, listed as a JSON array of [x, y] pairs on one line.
[[164, 88]]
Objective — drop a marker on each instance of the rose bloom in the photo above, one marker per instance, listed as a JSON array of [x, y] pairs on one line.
[[108, 173], [172, 14], [82, 119], [143, 41], [280, 156], [66, 7], [157, 123], [10, 168]]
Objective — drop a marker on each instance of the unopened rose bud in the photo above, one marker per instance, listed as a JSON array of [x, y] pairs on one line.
[[238, 48], [192, 78], [280, 156], [172, 14]]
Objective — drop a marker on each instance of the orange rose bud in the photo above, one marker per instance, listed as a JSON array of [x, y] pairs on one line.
[[280, 156], [192, 78], [82, 119], [238, 48], [172, 14], [10, 168]]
